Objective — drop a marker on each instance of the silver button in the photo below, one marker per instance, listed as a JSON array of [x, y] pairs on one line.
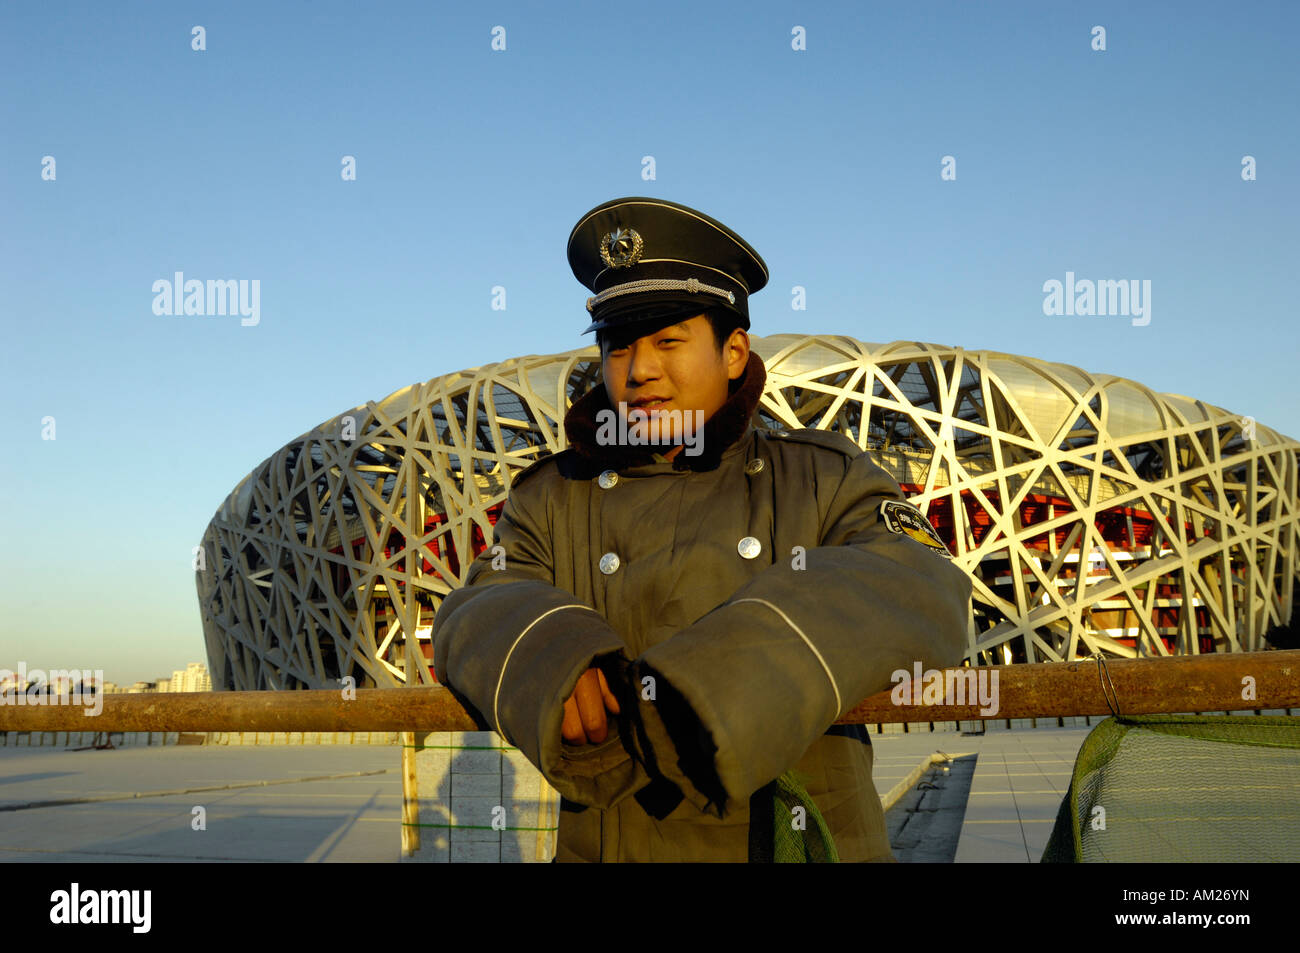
[[607, 479], [609, 563], [754, 466], [749, 547], [783, 433]]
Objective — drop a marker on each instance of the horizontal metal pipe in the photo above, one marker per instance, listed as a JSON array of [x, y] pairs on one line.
[[1136, 686], [1141, 686]]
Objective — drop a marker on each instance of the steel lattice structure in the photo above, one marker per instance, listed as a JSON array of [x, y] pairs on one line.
[[1092, 513]]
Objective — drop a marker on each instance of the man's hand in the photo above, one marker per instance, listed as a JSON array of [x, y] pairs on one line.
[[584, 710]]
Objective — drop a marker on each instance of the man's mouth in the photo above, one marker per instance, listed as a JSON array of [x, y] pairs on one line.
[[649, 403]]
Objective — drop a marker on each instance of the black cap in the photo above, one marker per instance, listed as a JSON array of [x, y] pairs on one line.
[[653, 260]]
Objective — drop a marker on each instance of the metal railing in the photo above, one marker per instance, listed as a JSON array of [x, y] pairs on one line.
[[1182, 683]]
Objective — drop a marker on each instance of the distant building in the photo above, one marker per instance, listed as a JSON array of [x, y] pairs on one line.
[[193, 678], [53, 682]]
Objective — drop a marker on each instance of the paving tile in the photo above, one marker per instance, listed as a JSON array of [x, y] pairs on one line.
[[475, 785], [991, 843], [991, 809], [476, 852]]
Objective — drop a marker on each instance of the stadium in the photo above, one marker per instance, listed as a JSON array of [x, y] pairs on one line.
[[1093, 514]]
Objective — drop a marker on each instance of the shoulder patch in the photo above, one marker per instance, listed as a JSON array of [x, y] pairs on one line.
[[903, 518], [829, 439]]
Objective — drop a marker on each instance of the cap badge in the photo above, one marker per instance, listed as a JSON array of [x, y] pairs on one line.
[[621, 248]]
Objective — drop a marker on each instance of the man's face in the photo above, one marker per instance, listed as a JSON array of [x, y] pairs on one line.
[[679, 365]]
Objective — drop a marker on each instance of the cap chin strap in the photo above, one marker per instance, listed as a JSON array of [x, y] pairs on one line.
[[693, 285]]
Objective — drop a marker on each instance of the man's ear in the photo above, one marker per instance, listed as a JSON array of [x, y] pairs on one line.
[[736, 353]]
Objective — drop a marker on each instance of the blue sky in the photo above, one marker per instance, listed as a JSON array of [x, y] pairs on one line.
[[472, 167]]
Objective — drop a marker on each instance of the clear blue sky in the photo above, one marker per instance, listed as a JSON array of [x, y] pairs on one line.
[[472, 167]]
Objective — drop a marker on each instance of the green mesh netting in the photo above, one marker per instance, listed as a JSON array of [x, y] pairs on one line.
[[814, 844], [1173, 788]]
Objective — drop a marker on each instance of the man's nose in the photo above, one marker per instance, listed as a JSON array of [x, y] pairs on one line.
[[644, 365]]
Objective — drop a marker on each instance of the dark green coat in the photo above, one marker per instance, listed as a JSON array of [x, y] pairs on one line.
[[751, 658]]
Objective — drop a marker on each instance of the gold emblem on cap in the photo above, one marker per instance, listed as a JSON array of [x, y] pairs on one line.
[[621, 248]]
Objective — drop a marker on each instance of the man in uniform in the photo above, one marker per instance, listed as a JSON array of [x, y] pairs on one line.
[[678, 624]]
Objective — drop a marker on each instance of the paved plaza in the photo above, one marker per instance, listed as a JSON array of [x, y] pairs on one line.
[[1015, 791], [350, 814], [343, 803]]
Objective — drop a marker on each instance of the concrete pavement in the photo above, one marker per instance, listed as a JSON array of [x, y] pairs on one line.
[[343, 803], [1015, 790]]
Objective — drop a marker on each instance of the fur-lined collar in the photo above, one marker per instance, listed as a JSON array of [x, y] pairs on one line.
[[723, 429]]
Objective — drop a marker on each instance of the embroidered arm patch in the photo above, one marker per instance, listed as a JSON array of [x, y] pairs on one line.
[[904, 518]]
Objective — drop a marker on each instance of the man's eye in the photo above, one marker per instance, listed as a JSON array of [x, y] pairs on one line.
[[670, 340]]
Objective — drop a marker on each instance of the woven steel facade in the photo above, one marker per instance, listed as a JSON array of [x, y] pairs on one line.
[[1092, 513]]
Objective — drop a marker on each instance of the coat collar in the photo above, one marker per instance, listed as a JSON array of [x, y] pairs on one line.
[[732, 421]]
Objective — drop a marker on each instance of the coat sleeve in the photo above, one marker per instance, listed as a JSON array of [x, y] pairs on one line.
[[514, 645], [743, 692]]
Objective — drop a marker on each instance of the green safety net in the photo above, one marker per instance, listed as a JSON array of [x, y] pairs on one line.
[[811, 843], [1178, 788]]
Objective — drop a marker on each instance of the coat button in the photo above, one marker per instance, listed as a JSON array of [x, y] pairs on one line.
[[749, 547], [607, 479], [754, 466], [609, 563]]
